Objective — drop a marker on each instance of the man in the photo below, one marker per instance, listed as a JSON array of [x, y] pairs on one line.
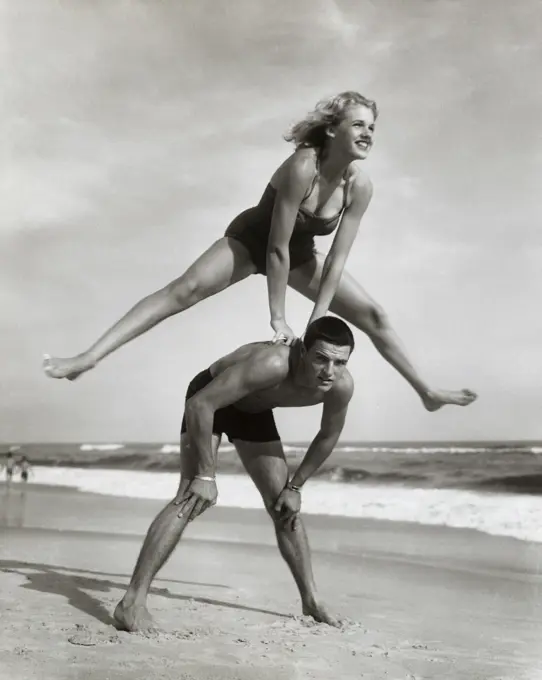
[[236, 396], [10, 467], [25, 468]]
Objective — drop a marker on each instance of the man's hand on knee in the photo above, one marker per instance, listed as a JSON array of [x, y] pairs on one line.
[[200, 495], [287, 507]]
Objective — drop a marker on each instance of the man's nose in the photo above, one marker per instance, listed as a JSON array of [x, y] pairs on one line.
[[328, 370]]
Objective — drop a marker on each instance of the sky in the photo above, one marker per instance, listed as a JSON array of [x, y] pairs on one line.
[[136, 130]]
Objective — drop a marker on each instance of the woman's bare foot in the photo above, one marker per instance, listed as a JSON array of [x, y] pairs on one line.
[[320, 614], [134, 619], [70, 368], [435, 399]]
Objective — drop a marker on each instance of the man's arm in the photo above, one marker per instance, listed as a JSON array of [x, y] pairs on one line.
[[332, 423], [265, 368]]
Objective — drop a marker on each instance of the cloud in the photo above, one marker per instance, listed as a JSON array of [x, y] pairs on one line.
[[330, 17], [138, 130]]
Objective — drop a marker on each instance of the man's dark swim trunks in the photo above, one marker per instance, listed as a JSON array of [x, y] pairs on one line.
[[236, 424]]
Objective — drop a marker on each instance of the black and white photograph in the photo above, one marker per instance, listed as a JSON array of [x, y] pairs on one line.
[[271, 377]]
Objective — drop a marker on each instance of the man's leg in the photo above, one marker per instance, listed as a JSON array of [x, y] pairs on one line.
[[164, 533], [266, 465]]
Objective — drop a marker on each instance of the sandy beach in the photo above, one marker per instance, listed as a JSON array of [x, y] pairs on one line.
[[420, 602]]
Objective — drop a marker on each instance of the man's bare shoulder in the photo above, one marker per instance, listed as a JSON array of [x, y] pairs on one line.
[[276, 355], [264, 356], [343, 389]]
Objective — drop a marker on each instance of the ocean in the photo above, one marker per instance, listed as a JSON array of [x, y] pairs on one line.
[[494, 487]]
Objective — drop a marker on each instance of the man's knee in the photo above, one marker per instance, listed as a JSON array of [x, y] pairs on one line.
[[270, 499], [183, 486]]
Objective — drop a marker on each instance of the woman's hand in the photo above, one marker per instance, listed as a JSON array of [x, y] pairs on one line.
[[283, 332]]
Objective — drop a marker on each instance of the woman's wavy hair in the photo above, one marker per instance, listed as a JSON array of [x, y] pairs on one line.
[[311, 131]]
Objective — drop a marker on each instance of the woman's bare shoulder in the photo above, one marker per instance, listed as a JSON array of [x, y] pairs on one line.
[[359, 178], [360, 182], [301, 164]]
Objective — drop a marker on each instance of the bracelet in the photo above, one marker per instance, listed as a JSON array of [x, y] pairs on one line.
[[204, 479], [293, 487]]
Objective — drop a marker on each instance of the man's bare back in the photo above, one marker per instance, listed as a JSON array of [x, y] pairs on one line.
[[289, 390]]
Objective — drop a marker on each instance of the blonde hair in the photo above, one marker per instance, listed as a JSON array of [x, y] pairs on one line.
[[311, 131]]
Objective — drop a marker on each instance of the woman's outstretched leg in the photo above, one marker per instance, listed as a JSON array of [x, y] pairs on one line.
[[226, 262], [355, 306]]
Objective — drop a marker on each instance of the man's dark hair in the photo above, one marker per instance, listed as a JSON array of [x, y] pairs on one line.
[[330, 329]]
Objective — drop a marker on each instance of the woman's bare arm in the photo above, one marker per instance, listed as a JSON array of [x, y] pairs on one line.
[[335, 261], [293, 184]]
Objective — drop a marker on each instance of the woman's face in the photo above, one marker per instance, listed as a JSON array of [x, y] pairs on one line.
[[354, 134]]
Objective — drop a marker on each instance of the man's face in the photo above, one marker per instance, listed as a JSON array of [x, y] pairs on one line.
[[325, 364]]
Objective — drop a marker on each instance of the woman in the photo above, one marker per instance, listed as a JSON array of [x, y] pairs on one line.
[[316, 191]]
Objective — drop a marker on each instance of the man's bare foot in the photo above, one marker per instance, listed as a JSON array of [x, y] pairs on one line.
[[70, 368], [134, 619], [320, 614], [435, 399]]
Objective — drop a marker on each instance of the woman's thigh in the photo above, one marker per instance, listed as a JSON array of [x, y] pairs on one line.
[[350, 300]]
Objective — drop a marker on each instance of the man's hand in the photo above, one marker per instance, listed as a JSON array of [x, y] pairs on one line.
[[288, 506], [199, 496]]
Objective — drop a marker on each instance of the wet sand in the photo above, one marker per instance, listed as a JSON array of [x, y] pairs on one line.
[[421, 602]]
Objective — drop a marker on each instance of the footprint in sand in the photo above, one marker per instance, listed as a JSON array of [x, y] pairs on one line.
[[84, 637]]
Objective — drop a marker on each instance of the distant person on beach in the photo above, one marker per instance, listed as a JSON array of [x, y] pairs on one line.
[[316, 191], [9, 465], [236, 396], [25, 468]]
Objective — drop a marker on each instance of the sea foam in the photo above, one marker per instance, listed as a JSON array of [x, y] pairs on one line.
[[502, 514]]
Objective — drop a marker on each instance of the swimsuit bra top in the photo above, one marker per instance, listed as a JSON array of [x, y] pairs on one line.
[[306, 221]]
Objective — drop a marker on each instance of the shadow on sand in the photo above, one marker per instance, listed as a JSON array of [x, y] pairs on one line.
[[73, 585]]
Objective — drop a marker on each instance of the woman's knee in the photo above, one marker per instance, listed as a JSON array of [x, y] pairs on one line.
[[184, 292], [371, 319]]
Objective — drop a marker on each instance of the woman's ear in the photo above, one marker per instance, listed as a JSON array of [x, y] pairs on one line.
[[330, 131]]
